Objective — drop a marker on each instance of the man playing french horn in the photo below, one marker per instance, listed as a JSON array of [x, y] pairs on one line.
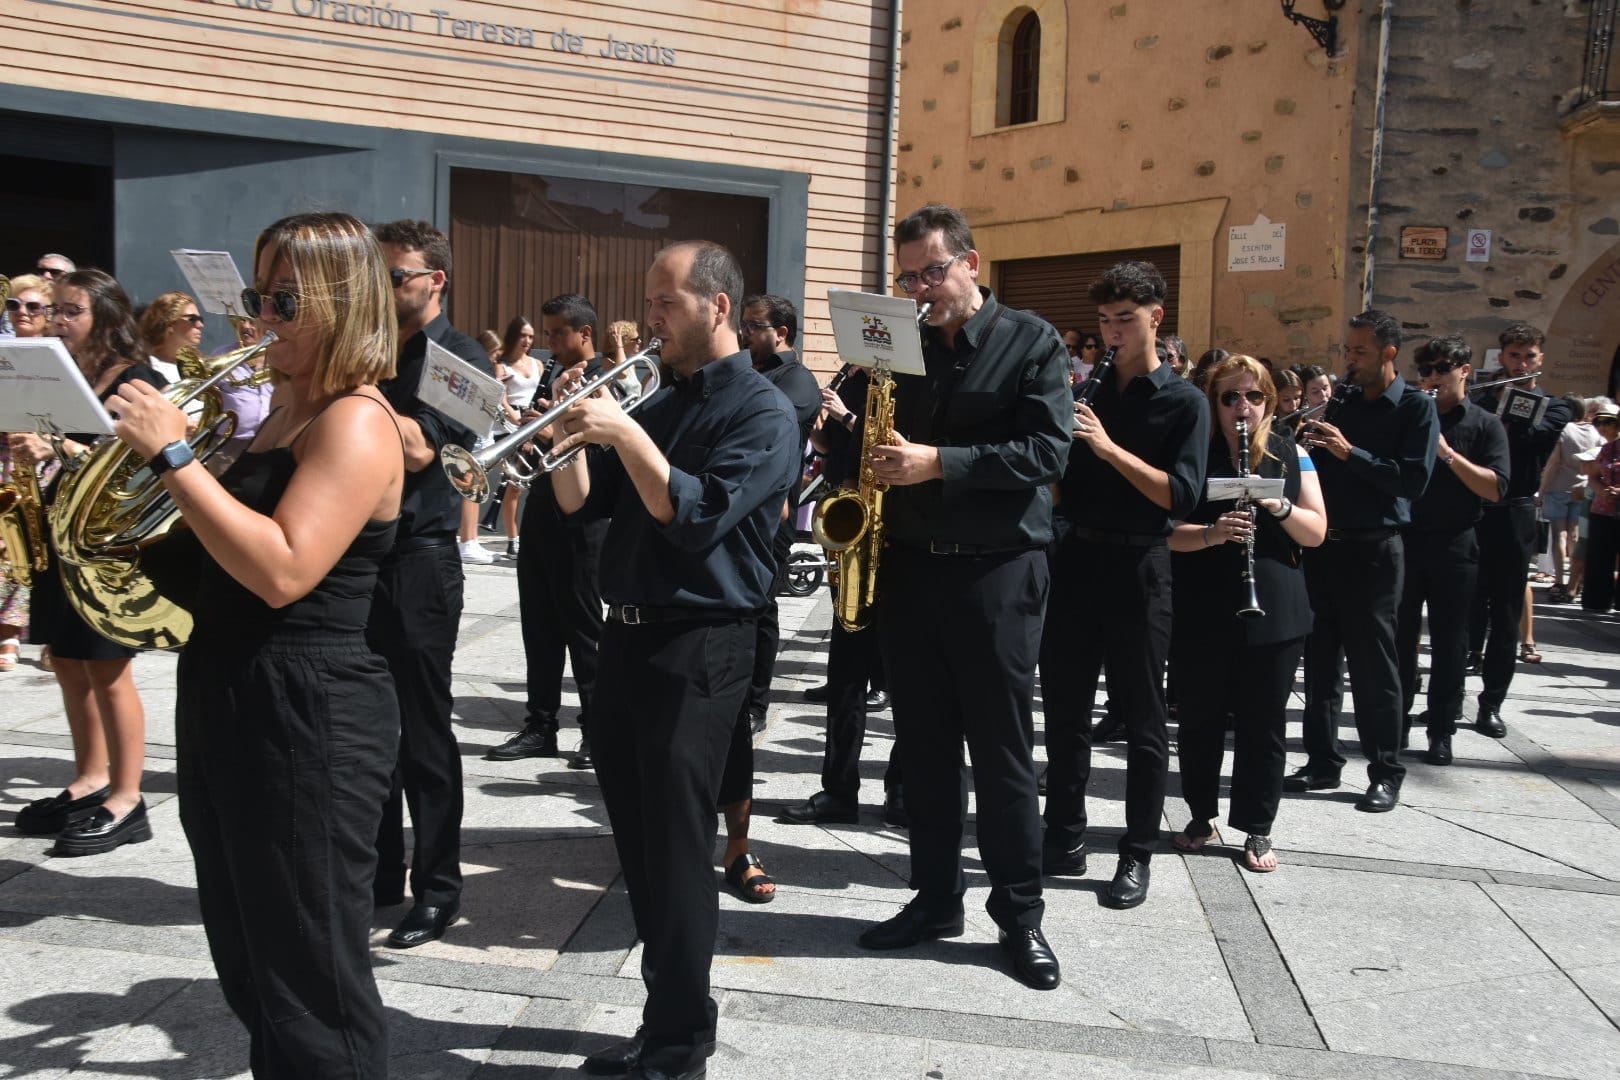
[[962, 586]]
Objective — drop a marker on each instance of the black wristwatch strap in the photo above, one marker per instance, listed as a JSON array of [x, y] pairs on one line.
[[173, 456]]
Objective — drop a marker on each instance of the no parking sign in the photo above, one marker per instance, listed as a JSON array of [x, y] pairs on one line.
[[1479, 245]]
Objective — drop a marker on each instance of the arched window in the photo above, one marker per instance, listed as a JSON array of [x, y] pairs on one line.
[[1024, 70], [1020, 51]]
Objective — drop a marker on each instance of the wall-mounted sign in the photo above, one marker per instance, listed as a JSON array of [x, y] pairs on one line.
[[1424, 242], [1260, 246], [1479, 245]]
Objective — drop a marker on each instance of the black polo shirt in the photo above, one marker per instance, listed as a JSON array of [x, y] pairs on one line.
[[429, 506], [1530, 445], [1162, 419], [789, 375], [841, 462], [1476, 436], [996, 402], [1392, 440], [733, 450]]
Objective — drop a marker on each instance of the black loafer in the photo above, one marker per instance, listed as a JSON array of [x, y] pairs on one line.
[[533, 741], [1381, 798], [1108, 729], [894, 809], [877, 700], [582, 757], [624, 1055], [101, 832], [1490, 721], [1302, 779], [914, 924], [1439, 750], [1058, 861], [820, 809], [756, 723], [1130, 885], [1475, 664], [423, 924], [1034, 962], [818, 694], [42, 817]]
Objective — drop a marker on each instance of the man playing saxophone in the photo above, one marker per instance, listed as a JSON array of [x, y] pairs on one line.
[[962, 586]]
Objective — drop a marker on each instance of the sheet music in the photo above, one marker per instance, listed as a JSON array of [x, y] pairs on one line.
[[873, 329], [42, 390], [459, 390], [1222, 488], [213, 278]]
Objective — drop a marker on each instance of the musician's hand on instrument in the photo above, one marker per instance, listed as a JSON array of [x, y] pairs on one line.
[[1232, 525], [836, 409], [146, 420], [597, 420], [566, 378], [1089, 430], [902, 463], [1328, 437], [1270, 506], [29, 449]]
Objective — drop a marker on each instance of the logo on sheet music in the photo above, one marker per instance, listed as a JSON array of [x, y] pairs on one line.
[[457, 383], [875, 333]]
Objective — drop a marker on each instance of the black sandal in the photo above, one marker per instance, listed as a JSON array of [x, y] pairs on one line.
[[751, 889], [1254, 849]]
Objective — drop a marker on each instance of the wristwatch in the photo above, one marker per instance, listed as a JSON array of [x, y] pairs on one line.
[[173, 456]]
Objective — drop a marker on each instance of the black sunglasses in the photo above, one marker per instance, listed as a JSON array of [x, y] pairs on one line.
[[399, 275], [32, 307], [283, 302], [1255, 397], [193, 319], [1606, 420], [1439, 367], [49, 271]]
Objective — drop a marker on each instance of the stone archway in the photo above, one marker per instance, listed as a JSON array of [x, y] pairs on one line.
[[1584, 338]]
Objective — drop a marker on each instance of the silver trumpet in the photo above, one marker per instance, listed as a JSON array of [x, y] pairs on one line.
[[469, 472]]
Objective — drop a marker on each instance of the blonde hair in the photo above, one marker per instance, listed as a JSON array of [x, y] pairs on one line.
[[159, 315], [1232, 366], [341, 279], [627, 331], [42, 285]]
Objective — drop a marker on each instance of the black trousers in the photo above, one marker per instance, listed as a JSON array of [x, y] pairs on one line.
[[1110, 606], [960, 637], [1214, 677], [666, 708], [560, 604], [415, 614], [1355, 591], [284, 758], [1441, 571], [854, 662], [1602, 545], [1507, 541]]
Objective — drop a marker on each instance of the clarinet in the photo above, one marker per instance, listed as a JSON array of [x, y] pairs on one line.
[[1104, 368], [1329, 409], [1250, 608], [838, 378]]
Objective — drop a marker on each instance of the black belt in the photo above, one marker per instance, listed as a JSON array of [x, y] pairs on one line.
[[1361, 534], [1118, 539], [940, 547], [639, 614], [424, 543], [1523, 500]]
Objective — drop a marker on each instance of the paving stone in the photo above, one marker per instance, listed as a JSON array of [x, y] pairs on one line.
[[1491, 788], [1590, 847], [1574, 929], [1003, 1063]]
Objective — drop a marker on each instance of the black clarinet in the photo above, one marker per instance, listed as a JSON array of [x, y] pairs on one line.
[[1329, 409], [1103, 369], [1250, 608], [843, 373]]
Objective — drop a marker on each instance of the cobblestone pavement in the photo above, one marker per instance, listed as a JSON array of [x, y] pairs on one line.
[[1474, 932]]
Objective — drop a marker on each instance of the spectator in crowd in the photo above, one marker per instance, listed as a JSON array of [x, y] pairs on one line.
[[1603, 541], [170, 323], [1562, 495], [519, 371]]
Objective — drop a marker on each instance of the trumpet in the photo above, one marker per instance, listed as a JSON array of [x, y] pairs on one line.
[[469, 471]]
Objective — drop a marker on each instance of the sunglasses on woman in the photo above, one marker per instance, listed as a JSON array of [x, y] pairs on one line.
[[1254, 397], [32, 307], [194, 320], [283, 302]]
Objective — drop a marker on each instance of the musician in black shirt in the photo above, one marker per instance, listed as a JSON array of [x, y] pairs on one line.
[[1373, 458], [1442, 554], [695, 483], [1507, 530], [1138, 462], [962, 586]]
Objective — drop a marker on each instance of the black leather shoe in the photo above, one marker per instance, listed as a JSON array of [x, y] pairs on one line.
[[1490, 721], [647, 1072], [1302, 779], [42, 817], [1475, 664], [877, 700], [821, 809], [894, 809], [818, 694], [1439, 750], [1130, 885], [624, 1055], [1108, 729], [582, 757], [1034, 962], [914, 924], [423, 924], [532, 741], [101, 832], [1057, 860], [1381, 797], [756, 723]]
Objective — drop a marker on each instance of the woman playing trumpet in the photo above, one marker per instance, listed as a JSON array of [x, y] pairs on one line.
[[1220, 663]]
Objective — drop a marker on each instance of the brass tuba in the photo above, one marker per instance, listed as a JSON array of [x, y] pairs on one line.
[[109, 507]]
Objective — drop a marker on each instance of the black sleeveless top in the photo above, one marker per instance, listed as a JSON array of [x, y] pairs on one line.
[[1208, 583]]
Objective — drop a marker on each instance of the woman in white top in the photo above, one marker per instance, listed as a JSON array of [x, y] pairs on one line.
[[521, 374], [170, 323]]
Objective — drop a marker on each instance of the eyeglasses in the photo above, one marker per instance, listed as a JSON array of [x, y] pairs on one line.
[[931, 276], [194, 319], [49, 271], [1439, 367], [1606, 420], [28, 307], [282, 301], [1254, 397], [68, 311], [748, 327], [399, 275]]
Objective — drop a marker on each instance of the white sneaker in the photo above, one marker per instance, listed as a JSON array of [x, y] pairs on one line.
[[473, 552]]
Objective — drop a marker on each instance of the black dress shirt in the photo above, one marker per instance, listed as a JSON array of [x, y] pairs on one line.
[[429, 506], [789, 375], [841, 462], [540, 508], [1162, 419], [1392, 440], [731, 441], [996, 402], [1529, 445], [1476, 436]]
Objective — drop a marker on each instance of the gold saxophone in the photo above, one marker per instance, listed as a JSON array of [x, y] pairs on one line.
[[849, 524]]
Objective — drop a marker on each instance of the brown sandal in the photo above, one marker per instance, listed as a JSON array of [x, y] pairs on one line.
[[1196, 835], [1527, 653]]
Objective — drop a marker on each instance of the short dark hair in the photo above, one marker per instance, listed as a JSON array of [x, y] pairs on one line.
[[714, 271], [112, 324], [1451, 347], [1521, 333], [578, 311], [1385, 327], [1139, 282], [1309, 372], [778, 309], [417, 235], [936, 217]]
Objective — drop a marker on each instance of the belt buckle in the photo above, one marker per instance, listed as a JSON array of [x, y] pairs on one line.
[[630, 615], [937, 548]]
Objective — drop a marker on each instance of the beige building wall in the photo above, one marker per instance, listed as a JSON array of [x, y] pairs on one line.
[[1159, 123]]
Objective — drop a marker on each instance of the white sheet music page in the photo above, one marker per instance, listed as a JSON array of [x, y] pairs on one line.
[[459, 390], [42, 390]]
